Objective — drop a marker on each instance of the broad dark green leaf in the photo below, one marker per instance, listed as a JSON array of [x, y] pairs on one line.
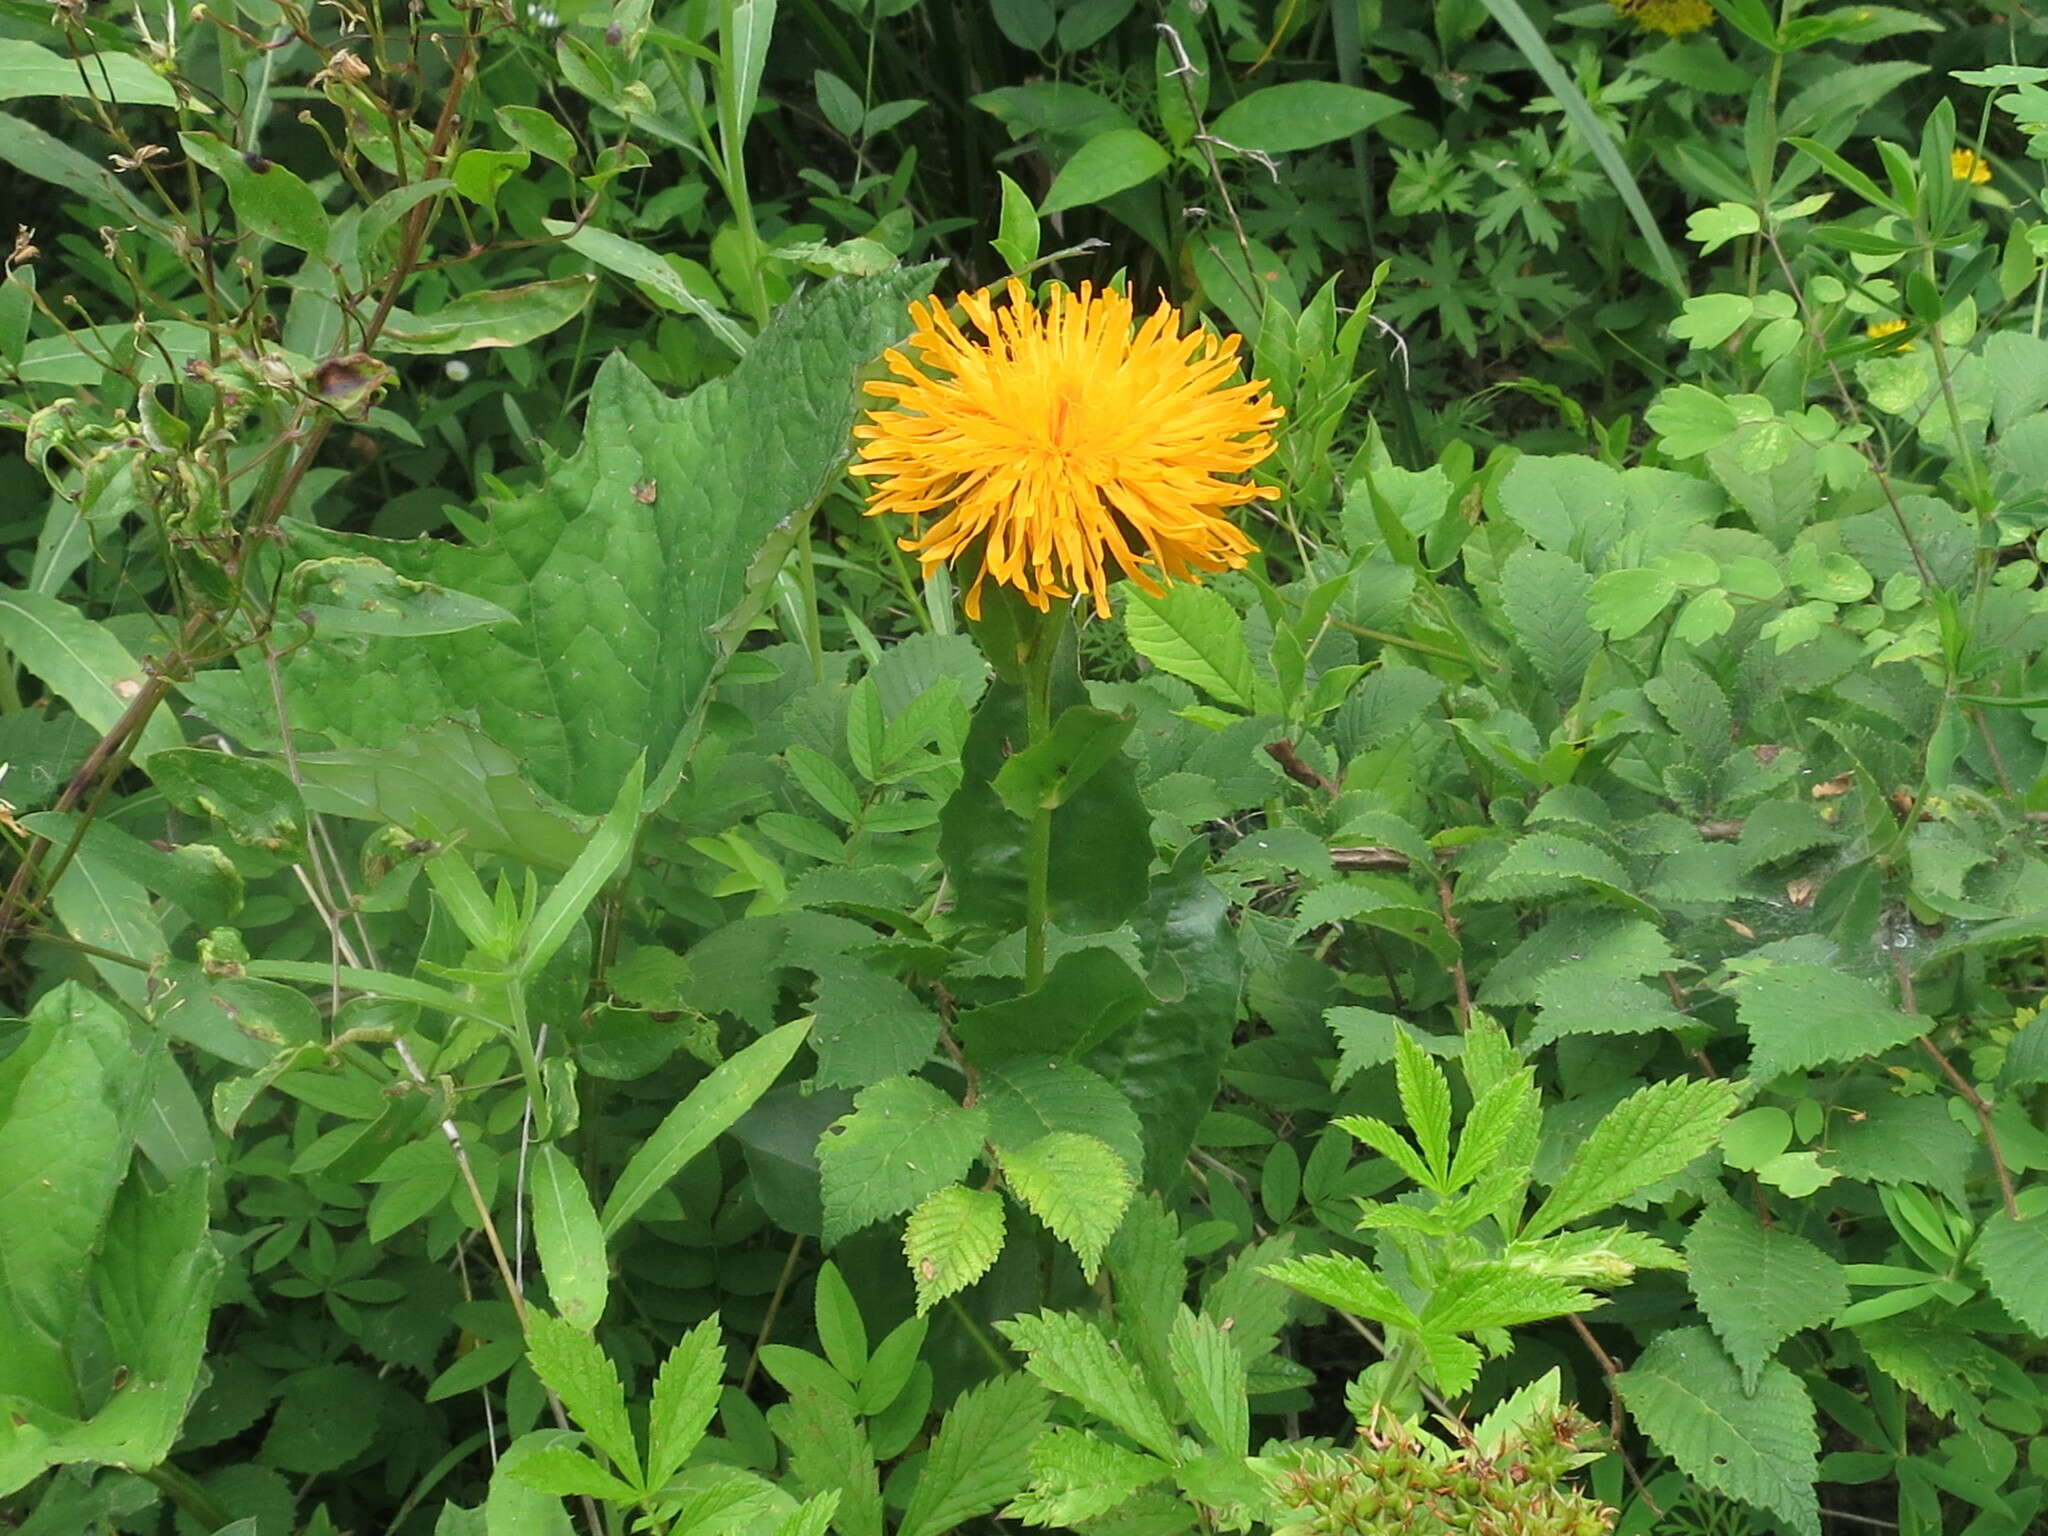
[[617, 568]]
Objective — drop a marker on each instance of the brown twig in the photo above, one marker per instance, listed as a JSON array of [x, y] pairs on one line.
[[1458, 981], [1291, 764], [1612, 1371], [1909, 1001]]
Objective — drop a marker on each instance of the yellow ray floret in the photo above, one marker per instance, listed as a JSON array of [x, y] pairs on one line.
[[1066, 446], [1674, 18]]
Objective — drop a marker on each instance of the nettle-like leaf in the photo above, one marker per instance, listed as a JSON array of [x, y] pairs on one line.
[[685, 1396], [1802, 1015], [1070, 1355], [1076, 1476], [1074, 1184], [1760, 1447], [1758, 1286], [903, 1140], [1646, 1138], [1544, 596], [1209, 1373], [829, 1452], [1551, 864], [570, 1364], [2012, 1256], [980, 1456], [1030, 1097], [1347, 1283], [870, 1027], [951, 1239], [1426, 1102]]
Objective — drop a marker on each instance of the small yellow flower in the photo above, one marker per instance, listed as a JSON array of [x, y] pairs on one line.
[[1880, 329], [1064, 449], [1674, 18], [1968, 165]]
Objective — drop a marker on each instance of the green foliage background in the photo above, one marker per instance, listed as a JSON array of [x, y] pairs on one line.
[[519, 1008]]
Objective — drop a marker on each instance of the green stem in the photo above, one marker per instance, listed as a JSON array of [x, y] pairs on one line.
[[187, 1495], [1038, 847]]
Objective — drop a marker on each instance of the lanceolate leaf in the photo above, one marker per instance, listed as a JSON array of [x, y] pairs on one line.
[[703, 1116], [1339, 1280], [568, 1239]]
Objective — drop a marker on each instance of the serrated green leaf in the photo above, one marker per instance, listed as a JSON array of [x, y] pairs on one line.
[[1493, 1294], [1070, 1355], [1544, 595], [1647, 1137], [870, 1027], [829, 1452], [1800, 1015], [572, 1366], [1551, 864], [1758, 1286], [1760, 1448], [1426, 1101], [1195, 634], [1209, 1374], [685, 1396], [1028, 1098], [564, 1474], [1076, 1476], [568, 1239], [1347, 1283], [980, 1456], [951, 1239], [2012, 1256], [903, 1140], [1501, 1115], [1077, 1185], [1388, 1142], [1579, 1002]]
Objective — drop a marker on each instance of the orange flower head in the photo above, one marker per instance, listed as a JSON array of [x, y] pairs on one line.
[[1066, 445]]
